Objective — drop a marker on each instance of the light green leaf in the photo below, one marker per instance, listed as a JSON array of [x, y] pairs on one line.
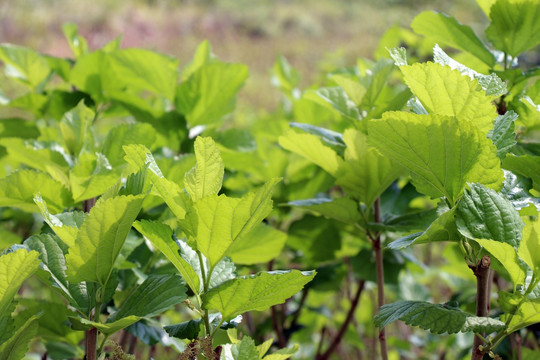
[[284, 76], [502, 134], [17, 346], [66, 225], [101, 238], [365, 173], [126, 134], [524, 165], [485, 5], [259, 246], [255, 292], [244, 349], [329, 136], [203, 55], [311, 147], [341, 209], [399, 55], [107, 328], [8, 238], [376, 81], [352, 88], [514, 26], [444, 91], [527, 313], [140, 157], [160, 235], [47, 157], [155, 295], [223, 271], [436, 318], [529, 249], [446, 30], [443, 153], [216, 222], [91, 176], [15, 267], [508, 258], [283, 354], [18, 189], [209, 93], [77, 43], [491, 83], [337, 99], [207, 176], [516, 189], [76, 130], [482, 213], [24, 64]]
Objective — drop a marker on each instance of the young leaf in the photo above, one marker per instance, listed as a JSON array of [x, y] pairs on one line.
[[91, 176], [76, 42], [76, 129], [341, 209], [446, 30], [508, 258], [207, 95], [444, 91], [160, 235], [514, 26], [311, 147], [529, 249], [423, 144], [18, 189], [365, 173], [66, 225], [331, 137], [155, 295], [352, 88], [436, 318], [255, 292], [126, 134], [17, 346], [516, 189], [524, 165], [101, 237], [259, 246], [527, 313], [15, 267], [482, 213], [207, 175], [244, 349], [337, 99], [108, 328], [216, 222], [502, 134]]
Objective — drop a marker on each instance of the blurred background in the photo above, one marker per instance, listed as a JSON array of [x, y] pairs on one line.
[[316, 36]]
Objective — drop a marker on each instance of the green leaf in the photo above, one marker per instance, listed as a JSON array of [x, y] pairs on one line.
[[508, 258], [527, 313], [91, 176], [446, 30], [341, 209], [15, 267], [244, 349], [107, 328], [436, 318], [284, 76], [101, 238], [365, 173], [514, 26], [444, 91], [209, 93], [66, 225], [140, 158], [185, 330], [216, 222], [485, 5], [482, 213], [311, 147], [516, 189], [351, 86], [203, 55], [376, 82], [443, 153], [329, 136], [17, 346], [24, 64], [502, 134], [160, 235], [76, 129], [324, 239], [283, 354], [78, 44], [491, 83], [18, 189], [255, 292], [155, 295], [259, 246], [337, 99], [207, 176], [529, 249], [126, 134], [399, 55], [15, 127], [442, 229], [524, 165]]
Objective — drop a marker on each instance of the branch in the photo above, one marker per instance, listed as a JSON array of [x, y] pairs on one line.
[[481, 271]]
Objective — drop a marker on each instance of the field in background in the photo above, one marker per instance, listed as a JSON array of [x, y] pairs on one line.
[[314, 35]]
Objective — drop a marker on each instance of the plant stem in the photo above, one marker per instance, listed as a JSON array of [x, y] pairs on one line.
[[339, 336], [377, 248], [91, 344], [481, 271]]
